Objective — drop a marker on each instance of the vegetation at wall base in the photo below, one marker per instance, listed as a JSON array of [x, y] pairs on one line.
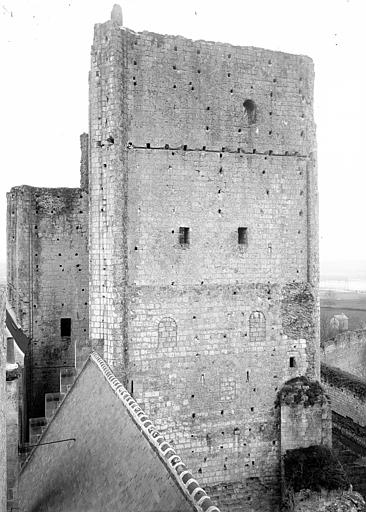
[[315, 468]]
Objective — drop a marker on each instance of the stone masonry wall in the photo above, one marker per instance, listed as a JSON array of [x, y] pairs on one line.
[[304, 407], [3, 486], [84, 162], [48, 280], [347, 394], [210, 381], [347, 351], [205, 331], [19, 269], [108, 196], [12, 440]]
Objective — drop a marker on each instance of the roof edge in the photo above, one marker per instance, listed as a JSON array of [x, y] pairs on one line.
[[174, 464]]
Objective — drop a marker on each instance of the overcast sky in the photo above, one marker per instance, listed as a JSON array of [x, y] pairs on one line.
[[45, 52]]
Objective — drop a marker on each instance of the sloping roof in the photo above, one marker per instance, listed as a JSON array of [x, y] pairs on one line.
[[16, 331], [341, 316], [132, 462], [173, 462]]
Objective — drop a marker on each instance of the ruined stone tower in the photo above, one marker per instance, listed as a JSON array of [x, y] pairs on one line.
[[203, 243], [47, 267]]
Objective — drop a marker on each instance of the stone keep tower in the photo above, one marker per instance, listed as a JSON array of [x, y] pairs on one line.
[[203, 243]]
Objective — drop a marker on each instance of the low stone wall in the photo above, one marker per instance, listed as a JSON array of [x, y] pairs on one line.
[[346, 351], [347, 393]]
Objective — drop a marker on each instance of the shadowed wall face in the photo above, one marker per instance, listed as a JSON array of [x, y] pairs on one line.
[[347, 393], [48, 282]]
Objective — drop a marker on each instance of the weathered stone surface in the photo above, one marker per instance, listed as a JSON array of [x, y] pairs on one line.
[[347, 351], [84, 162], [203, 254], [12, 439], [212, 138], [48, 273], [306, 416], [347, 393]]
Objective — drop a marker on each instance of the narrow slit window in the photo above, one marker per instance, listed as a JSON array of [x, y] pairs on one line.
[[184, 236], [243, 236], [65, 327], [292, 362]]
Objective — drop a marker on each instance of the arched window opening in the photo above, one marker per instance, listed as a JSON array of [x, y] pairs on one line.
[[250, 111]]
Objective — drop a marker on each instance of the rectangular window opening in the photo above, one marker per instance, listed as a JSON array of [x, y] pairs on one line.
[[243, 236], [65, 327], [184, 236], [292, 362]]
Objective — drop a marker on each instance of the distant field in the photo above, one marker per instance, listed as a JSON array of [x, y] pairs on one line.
[[343, 299], [352, 304], [356, 317]]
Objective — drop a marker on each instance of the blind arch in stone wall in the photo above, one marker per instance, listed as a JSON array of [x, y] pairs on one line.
[[167, 332], [257, 326]]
